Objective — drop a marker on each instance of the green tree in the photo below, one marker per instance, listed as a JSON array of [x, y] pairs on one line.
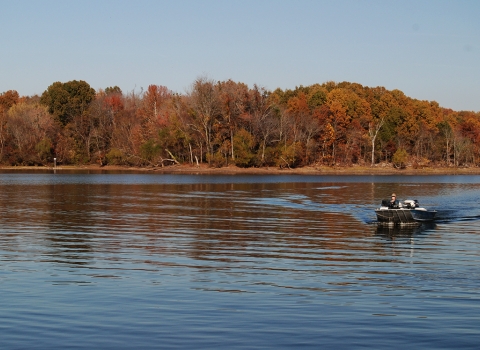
[[44, 149], [400, 158], [113, 90], [150, 151], [243, 145], [67, 100]]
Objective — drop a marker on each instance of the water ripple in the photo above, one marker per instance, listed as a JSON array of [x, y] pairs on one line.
[[130, 261]]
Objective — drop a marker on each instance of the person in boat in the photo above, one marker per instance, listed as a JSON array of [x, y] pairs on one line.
[[394, 202]]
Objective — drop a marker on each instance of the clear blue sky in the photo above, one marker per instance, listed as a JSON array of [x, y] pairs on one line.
[[429, 49]]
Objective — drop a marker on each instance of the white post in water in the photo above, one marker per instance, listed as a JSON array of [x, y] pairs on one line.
[[54, 162]]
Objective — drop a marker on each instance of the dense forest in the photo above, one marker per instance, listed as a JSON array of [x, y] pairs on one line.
[[226, 122]]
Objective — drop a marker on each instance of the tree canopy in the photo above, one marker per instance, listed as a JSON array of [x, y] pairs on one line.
[[67, 100], [227, 122]]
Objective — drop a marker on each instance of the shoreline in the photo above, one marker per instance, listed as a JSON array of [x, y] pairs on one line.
[[204, 169]]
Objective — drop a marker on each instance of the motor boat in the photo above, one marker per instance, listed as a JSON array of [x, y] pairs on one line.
[[406, 212]]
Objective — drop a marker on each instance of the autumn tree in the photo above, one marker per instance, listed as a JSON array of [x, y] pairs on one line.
[[304, 123], [427, 115], [205, 107], [221, 122], [154, 109], [126, 139], [264, 123], [7, 100], [381, 103], [31, 129], [446, 129], [233, 99], [102, 112], [337, 117], [181, 122]]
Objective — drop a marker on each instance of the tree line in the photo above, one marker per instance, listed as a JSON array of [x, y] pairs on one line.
[[227, 122]]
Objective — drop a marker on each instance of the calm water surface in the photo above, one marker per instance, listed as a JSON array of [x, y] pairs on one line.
[[123, 261]]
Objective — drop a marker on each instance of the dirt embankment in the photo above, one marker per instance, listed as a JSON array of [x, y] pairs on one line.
[[232, 170]]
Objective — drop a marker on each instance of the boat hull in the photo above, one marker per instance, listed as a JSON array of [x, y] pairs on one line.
[[424, 215], [394, 216], [404, 216]]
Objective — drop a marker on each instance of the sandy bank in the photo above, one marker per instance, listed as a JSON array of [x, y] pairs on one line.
[[233, 170]]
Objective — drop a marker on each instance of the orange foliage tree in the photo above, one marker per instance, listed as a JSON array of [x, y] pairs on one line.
[[228, 122]]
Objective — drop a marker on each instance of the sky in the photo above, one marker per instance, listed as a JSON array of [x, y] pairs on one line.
[[429, 49]]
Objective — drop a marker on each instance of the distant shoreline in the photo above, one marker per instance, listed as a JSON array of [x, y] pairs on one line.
[[204, 169]]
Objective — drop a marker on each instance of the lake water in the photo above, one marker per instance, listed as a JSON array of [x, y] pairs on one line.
[[149, 261]]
